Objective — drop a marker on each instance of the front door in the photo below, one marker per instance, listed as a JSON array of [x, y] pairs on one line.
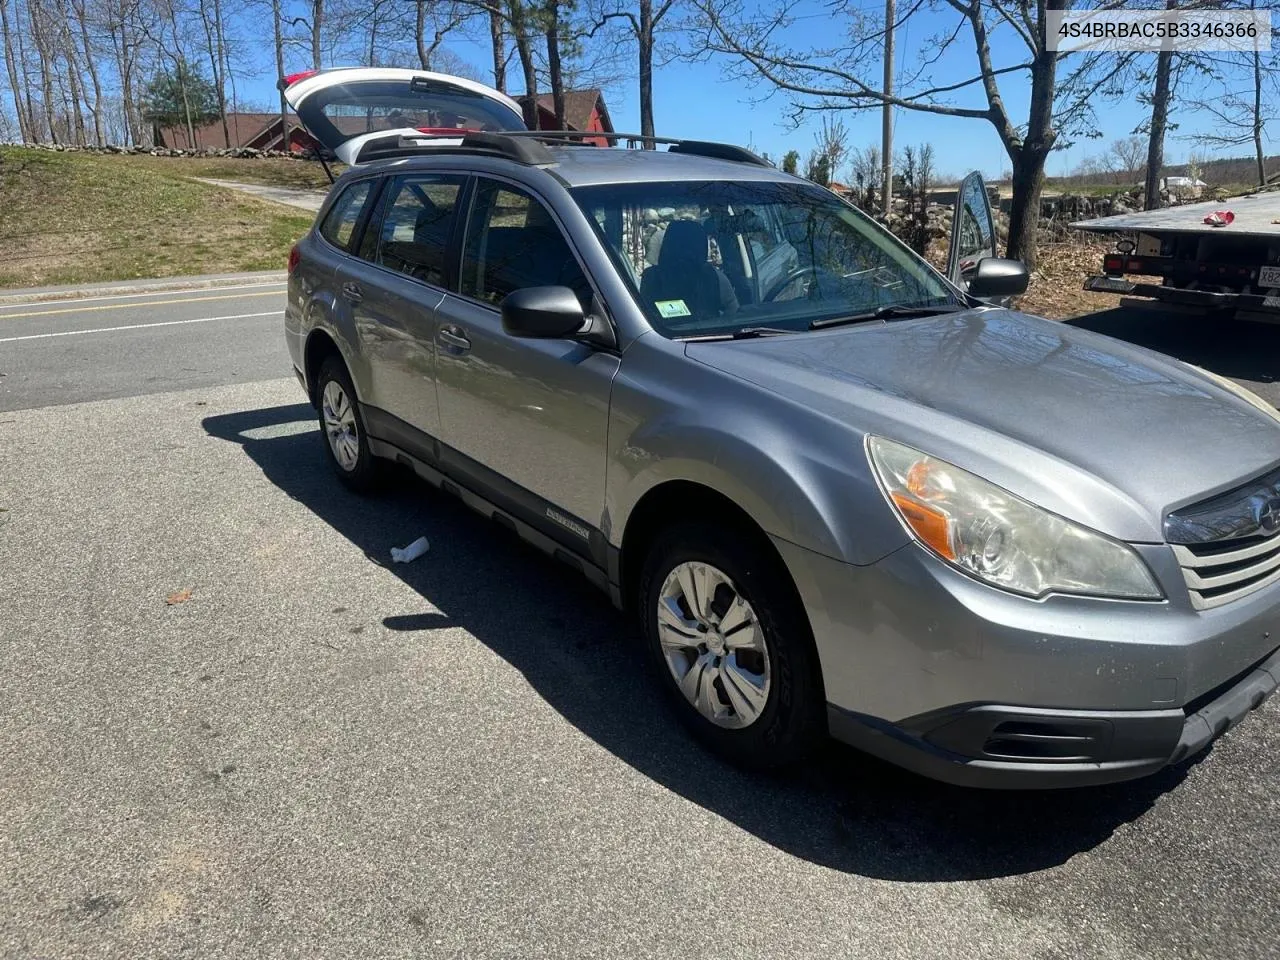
[[973, 232], [533, 412]]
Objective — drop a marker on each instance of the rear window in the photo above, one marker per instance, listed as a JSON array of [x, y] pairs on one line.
[[340, 222], [344, 111]]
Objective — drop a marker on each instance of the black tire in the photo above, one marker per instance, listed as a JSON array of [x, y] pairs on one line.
[[793, 721], [364, 475]]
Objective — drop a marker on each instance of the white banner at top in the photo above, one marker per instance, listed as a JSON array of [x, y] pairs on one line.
[[1155, 30]]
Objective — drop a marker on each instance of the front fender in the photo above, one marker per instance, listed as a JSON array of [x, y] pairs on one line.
[[801, 477]]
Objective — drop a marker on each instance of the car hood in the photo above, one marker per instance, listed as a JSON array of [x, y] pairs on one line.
[[1098, 430]]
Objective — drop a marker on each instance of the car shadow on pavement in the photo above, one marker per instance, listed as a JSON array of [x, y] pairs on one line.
[[845, 810], [1239, 349]]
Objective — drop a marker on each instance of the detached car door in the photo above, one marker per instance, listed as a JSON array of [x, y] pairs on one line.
[[524, 418], [357, 112]]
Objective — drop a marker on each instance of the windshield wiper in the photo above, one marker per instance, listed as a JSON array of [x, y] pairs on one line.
[[890, 312], [746, 333]]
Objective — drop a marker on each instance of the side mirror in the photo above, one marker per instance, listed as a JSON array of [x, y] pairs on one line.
[[547, 313], [997, 277]]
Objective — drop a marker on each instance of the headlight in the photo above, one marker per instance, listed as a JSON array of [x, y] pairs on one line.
[[999, 538]]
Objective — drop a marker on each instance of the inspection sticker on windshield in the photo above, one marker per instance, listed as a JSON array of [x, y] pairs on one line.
[[671, 308]]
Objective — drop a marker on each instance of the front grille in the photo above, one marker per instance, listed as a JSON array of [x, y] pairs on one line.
[[1225, 570]]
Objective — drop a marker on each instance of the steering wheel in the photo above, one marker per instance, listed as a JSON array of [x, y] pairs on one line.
[[812, 270]]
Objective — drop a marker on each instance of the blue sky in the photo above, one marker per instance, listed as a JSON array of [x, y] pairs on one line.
[[701, 99]]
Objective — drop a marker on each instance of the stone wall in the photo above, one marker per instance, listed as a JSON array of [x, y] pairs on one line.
[[238, 153]]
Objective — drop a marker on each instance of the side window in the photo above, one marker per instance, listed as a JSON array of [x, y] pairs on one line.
[[513, 243], [340, 222], [417, 219]]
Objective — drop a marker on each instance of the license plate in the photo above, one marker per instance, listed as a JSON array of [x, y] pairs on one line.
[[1269, 277], [1108, 285]]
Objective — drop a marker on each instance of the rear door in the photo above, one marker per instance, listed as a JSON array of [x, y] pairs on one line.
[[392, 288], [354, 112]]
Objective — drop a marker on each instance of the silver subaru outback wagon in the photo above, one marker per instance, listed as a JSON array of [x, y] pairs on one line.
[[841, 492]]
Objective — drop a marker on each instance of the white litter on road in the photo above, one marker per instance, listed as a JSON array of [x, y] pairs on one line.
[[410, 553]]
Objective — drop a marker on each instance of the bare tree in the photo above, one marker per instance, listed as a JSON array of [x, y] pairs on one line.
[[436, 21], [519, 22], [643, 26], [867, 171], [516, 19], [830, 147], [1242, 106], [498, 44], [127, 25], [551, 30], [210, 13], [314, 25], [42, 42], [67, 47], [277, 42], [1128, 154], [833, 143], [1159, 100], [917, 179], [842, 77], [16, 85], [29, 93]]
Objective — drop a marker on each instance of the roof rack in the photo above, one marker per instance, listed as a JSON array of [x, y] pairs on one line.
[[528, 146], [474, 142]]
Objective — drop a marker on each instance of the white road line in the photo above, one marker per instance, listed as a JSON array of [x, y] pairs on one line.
[[132, 296], [139, 326]]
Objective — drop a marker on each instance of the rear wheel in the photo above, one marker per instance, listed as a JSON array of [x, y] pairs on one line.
[[731, 644], [345, 437]]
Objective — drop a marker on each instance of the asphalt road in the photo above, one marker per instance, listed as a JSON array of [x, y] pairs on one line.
[[320, 755], [105, 346]]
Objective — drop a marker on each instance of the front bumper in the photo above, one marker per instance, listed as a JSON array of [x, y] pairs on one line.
[[966, 683], [1004, 747]]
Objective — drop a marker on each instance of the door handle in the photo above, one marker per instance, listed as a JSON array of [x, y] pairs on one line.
[[352, 292], [453, 337]]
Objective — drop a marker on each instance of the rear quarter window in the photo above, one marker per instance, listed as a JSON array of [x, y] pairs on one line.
[[339, 224]]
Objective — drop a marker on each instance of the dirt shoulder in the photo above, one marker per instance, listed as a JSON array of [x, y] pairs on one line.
[[1057, 285]]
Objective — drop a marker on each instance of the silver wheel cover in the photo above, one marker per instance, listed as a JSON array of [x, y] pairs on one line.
[[340, 425], [713, 645]]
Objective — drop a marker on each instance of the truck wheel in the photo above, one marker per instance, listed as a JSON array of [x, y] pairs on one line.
[[342, 427], [731, 644]]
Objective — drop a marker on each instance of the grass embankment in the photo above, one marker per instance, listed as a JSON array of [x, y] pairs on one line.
[[82, 217]]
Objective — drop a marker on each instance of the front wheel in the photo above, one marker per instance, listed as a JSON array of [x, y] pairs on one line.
[[732, 645], [345, 437]]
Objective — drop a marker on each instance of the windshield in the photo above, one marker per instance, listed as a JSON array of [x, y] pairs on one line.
[[710, 258]]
